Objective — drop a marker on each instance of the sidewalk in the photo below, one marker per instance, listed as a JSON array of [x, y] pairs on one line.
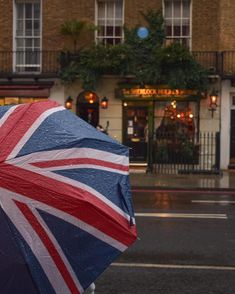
[[140, 180]]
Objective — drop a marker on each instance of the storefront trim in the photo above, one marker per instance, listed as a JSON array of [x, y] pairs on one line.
[[156, 93]]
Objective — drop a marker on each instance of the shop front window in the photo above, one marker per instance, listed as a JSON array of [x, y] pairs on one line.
[[176, 131], [18, 100]]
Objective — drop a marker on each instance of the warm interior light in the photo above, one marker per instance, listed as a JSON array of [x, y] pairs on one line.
[[190, 115], [90, 97], [69, 103]]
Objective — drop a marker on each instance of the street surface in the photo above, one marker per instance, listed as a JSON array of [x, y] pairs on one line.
[[186, 245]]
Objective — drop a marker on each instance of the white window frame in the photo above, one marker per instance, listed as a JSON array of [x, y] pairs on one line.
[[171, 20], [30, 67], [103, 38]]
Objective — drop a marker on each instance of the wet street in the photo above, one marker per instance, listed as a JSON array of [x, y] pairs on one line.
[[186, 245]]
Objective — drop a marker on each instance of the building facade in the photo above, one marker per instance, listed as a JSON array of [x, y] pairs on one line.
[[31, 43]]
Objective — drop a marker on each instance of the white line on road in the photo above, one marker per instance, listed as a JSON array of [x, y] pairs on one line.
[[182, 215], [176, 266], [213, 201]]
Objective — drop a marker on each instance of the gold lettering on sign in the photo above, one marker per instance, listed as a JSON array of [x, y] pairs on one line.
[[154, 92]]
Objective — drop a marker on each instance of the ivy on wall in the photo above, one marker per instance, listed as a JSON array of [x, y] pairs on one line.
[[146, 59]]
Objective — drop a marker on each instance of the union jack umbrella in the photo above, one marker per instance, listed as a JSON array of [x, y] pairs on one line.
[[65, 203]]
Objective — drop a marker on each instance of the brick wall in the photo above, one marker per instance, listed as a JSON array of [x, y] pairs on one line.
[[213, 22], [133, 8], [56, 12], [6, 20], [227, 25], [205, 25]]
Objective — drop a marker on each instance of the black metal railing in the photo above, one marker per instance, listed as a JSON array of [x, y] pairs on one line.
[[210, 60], [228, 63], [49, 62], [29, 62], [175, 154]]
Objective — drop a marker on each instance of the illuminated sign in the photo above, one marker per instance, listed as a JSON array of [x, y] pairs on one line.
[[156, 92]]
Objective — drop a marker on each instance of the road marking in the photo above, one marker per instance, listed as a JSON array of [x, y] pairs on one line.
[[176, 266], [213, 201], [182, 215], [198, 191]]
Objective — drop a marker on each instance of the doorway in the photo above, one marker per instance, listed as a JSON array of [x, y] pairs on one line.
[[135, 130], [87, 107]]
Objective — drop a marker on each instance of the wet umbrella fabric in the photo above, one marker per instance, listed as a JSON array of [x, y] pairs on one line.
[[65, 204]]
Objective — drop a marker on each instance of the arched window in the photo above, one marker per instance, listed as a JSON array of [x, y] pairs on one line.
[[87, 107]]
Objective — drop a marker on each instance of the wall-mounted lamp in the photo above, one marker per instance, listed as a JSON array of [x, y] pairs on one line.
[[69, 103], [213, 102], [104, 102]]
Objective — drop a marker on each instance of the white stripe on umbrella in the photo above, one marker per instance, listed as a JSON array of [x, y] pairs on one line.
[[70, 154], [32, 129], [75, 183], [29, 234], [67, 218], [7, 114]]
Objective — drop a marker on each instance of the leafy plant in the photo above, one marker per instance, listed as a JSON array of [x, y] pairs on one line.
[[74, 29], [146, 59]]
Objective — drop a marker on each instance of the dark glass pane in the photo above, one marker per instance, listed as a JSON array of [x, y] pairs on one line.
[[110, 41], [177, 9], [185, 30], [186, 8], [168, 9], [168, 31], [118, 31], [109, 31], [118, 41], [176, 30], [28, 10], [37, 10], [19, 11]]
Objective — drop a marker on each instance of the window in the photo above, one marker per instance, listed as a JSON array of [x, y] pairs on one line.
[[177, 21], [27, 35], [109, 15]]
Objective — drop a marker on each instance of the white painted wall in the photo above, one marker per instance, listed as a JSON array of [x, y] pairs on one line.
[[226, 92], [57, 92], [220, 122]]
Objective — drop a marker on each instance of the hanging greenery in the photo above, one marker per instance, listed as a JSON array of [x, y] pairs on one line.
[[147, 59]]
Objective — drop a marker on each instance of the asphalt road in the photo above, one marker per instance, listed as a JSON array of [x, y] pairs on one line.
[[186, 245]]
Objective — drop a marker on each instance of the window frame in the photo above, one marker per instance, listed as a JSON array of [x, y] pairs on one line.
[[104, 37], [31, 52], [171, 19]]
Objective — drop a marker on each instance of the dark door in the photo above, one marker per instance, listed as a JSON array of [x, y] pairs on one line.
[[232, 137], [89, 113], [135, 131]]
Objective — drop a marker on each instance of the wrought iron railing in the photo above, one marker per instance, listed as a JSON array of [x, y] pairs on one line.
[[49, 62], [173, 153], [29, 62]]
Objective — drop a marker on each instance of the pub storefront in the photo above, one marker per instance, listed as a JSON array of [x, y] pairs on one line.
[[161, 125], [13, 94]]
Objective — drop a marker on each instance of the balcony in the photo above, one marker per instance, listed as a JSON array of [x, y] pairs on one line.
[[45, 64], [34, 64]]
